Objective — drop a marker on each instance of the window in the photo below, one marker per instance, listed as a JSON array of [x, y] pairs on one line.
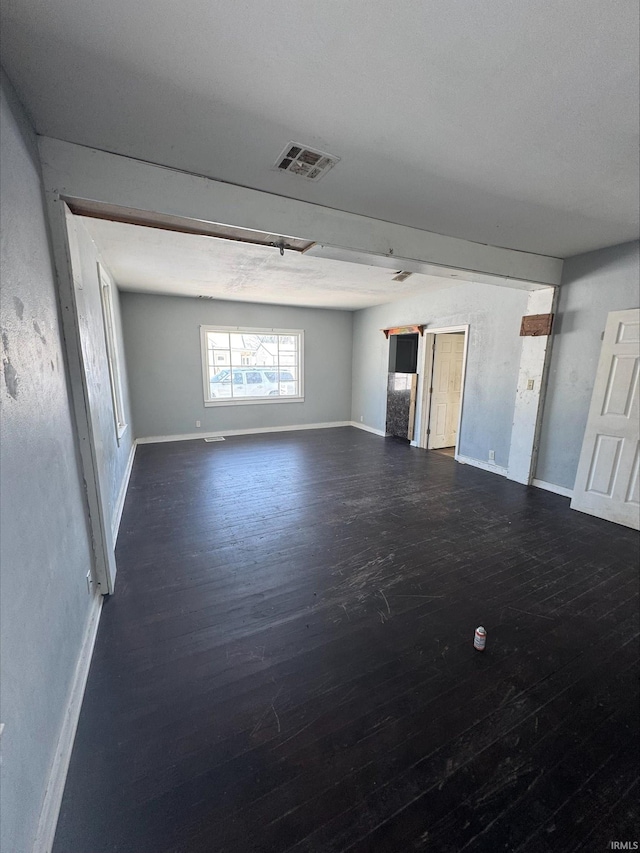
[[251, 365], [113, 358]]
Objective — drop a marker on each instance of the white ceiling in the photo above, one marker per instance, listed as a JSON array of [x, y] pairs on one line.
[[151, 260], [509, 123]]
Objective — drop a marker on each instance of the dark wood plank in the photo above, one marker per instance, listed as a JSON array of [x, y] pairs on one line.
[[287, 663]]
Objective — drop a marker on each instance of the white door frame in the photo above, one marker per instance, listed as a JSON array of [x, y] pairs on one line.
[[67, 263], [425, 358]]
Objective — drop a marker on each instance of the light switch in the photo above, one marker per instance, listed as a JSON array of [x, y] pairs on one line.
[[530, 384]]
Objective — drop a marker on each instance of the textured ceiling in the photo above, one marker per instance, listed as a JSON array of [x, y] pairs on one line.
[[509, 123], [151, 260]]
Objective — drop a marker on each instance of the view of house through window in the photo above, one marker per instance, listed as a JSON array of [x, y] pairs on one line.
[[250, 365]]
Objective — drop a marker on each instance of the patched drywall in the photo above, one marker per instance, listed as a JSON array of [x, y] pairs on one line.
[[494, 315], [162, 342], [593, 284], [44, 541]]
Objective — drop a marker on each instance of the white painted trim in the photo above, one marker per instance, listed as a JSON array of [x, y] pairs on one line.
[[251, 401], [424, 398], [366, 428], [394, 262], [113, 356], [60, 765], [535, 355], [252, 330], [70, 288], [486, 466], [122, 494], [77, 171], [194, 436], [551, 487], [244, 401]]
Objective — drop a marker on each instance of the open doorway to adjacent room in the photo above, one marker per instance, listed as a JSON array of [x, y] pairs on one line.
[[402, 385], [445, 361]]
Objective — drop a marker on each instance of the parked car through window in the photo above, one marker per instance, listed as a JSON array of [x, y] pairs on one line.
[[274, 372]]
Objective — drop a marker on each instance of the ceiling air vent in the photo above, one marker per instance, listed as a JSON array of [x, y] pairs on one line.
[[401, 275], [306, 162]]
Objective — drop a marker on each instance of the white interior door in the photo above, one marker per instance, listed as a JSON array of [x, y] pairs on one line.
[[607, 479], [446, 392]]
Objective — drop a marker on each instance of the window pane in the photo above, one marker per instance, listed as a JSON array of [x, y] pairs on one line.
[[267, 350], [220, 376], [115, 378], [288, 342], [220, 385], [217, 340], [237, 349], [245, 365], [218, 358]]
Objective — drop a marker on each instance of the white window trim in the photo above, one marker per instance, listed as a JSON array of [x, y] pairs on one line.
[[247, 401], [113, 356]]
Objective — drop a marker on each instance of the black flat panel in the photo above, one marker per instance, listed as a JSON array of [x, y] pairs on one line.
[[406, 354]]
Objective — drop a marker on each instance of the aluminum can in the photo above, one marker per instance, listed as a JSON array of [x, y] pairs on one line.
[[480, 639]]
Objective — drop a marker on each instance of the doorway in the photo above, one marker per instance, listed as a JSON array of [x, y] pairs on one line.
[[445, 362], [402, 382]]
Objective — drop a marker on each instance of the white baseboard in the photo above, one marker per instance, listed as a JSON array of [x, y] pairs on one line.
[[193, 436], [551, 487], [60, 765], [486, 466], [117, 513], [368, 428]]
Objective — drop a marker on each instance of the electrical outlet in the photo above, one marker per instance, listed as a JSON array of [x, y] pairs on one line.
[[530, 384], [197, 423], [89, 582], [492, 456]]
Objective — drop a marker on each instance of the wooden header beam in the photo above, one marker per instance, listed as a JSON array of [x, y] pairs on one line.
[[403, 330]]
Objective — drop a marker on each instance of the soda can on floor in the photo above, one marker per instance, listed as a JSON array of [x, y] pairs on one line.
[[480, 639]]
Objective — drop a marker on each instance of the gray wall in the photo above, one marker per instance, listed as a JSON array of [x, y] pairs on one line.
[[494, 314], [162, 342], [113, 457], [592, 285], [44, 544]]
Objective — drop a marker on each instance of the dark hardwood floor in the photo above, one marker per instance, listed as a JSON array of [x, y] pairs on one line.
[[447, 451], [288, 662]]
